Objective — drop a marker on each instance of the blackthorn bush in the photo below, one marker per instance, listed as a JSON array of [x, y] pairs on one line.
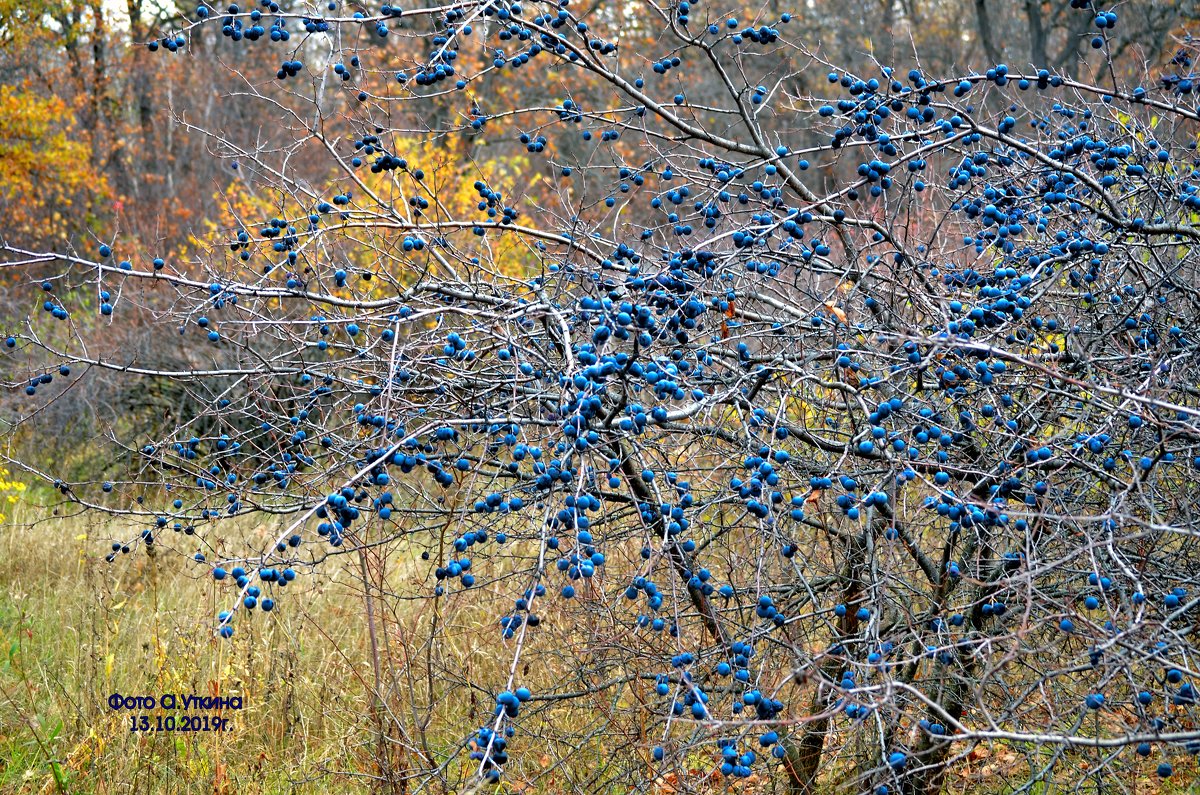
[[862, 417]]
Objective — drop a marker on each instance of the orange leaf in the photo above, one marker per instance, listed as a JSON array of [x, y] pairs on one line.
[[838, 312]]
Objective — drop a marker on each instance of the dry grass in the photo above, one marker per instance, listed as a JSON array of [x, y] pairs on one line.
[[76, 629]]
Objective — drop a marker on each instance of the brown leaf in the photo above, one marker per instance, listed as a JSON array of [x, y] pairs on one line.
[[837, 312]]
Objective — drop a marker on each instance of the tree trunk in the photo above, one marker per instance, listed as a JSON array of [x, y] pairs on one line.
[[984, 22]]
